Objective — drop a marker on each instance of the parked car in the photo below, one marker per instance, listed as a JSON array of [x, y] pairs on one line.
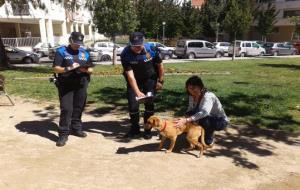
[[107, 46], [52, 50], [279, 49], [196, 48], [42, 49], [16, 55], [101, 55], [222, 46], [246, 48], [166, 52], [297, 46]]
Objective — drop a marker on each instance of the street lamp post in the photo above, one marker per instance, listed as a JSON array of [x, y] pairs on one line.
[[164, 24]]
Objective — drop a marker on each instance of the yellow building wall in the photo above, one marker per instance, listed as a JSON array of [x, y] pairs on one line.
[[57, 30], [34, 29], [284, 34]]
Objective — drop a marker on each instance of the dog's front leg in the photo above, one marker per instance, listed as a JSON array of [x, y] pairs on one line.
[[163, 139], [173, 140]]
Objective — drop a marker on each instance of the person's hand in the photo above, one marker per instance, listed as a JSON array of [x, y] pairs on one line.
[[75, 65], [180, 122], [140, 94], [72, 67], [159, 86]]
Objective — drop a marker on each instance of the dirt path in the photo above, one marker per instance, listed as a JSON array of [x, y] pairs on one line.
[[242, 159]]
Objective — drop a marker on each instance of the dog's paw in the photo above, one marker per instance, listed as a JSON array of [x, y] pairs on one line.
[[168, 151]]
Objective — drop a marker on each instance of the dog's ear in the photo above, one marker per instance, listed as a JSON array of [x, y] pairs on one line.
[[151, 120], [156, 121]]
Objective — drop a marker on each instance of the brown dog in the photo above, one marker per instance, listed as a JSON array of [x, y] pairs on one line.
[[168, 130]]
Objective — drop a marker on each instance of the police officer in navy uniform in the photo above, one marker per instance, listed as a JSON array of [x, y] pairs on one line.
[[73, 66], [144, 72]]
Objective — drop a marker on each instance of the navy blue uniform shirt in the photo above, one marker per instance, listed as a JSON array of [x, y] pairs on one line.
[[144, 64], [65, 56]]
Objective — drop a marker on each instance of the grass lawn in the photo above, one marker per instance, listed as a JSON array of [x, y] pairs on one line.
[[263, 93]]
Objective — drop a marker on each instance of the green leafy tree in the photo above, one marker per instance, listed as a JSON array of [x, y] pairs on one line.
[[212, 14], [296, 21], [191, 21], [114, 18], [171, 14], [237, 20], [149, 15], [266, 19]]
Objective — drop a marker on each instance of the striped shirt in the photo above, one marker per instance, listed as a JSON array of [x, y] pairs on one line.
[[209, 105]]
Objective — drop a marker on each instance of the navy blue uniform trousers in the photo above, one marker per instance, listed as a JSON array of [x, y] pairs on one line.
[[72, 97], [145, 86]]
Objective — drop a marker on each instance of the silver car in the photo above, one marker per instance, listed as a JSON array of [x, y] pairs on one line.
[[42, 49], [196, 48], [222, 46], [16, 55], [279, 49]]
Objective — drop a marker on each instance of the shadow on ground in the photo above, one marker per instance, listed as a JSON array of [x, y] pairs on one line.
[[40, 128], [285, 66]]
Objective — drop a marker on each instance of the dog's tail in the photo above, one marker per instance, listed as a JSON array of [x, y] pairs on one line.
[[203, 139]]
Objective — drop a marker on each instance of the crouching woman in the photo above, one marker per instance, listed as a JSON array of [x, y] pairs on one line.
[[204, 108]]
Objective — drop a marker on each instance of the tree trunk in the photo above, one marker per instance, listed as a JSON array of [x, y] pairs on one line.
[[114, 60], [3, 58], [234, 45]]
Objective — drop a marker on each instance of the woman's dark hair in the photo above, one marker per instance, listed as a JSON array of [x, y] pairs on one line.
[[194, 81]]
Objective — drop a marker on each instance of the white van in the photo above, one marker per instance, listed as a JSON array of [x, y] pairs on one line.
[[196, 48], [246, 48]]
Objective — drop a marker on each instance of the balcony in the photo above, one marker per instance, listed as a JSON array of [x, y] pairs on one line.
[[21, 10]]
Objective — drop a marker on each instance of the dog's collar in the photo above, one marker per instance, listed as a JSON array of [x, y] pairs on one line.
[[164, 127]]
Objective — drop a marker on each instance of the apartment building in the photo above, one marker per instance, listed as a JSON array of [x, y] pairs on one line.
[[51, 24], [284, 30]]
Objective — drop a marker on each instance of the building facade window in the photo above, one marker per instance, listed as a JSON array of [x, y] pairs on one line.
[[289, 13]]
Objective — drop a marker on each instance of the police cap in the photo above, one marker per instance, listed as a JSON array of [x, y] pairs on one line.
[[76, 38], [136, 39]]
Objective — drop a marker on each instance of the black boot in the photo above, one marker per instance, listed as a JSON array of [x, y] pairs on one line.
[[147, 134], [62, 139], [79, 133], [134, 132]]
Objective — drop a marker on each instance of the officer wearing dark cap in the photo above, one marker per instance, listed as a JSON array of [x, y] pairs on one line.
[[73, 66], [144, 74]]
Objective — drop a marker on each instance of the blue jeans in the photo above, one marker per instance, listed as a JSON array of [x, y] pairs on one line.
[[210, 125]]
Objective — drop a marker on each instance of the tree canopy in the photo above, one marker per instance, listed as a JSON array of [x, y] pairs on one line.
[[266, 19]]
